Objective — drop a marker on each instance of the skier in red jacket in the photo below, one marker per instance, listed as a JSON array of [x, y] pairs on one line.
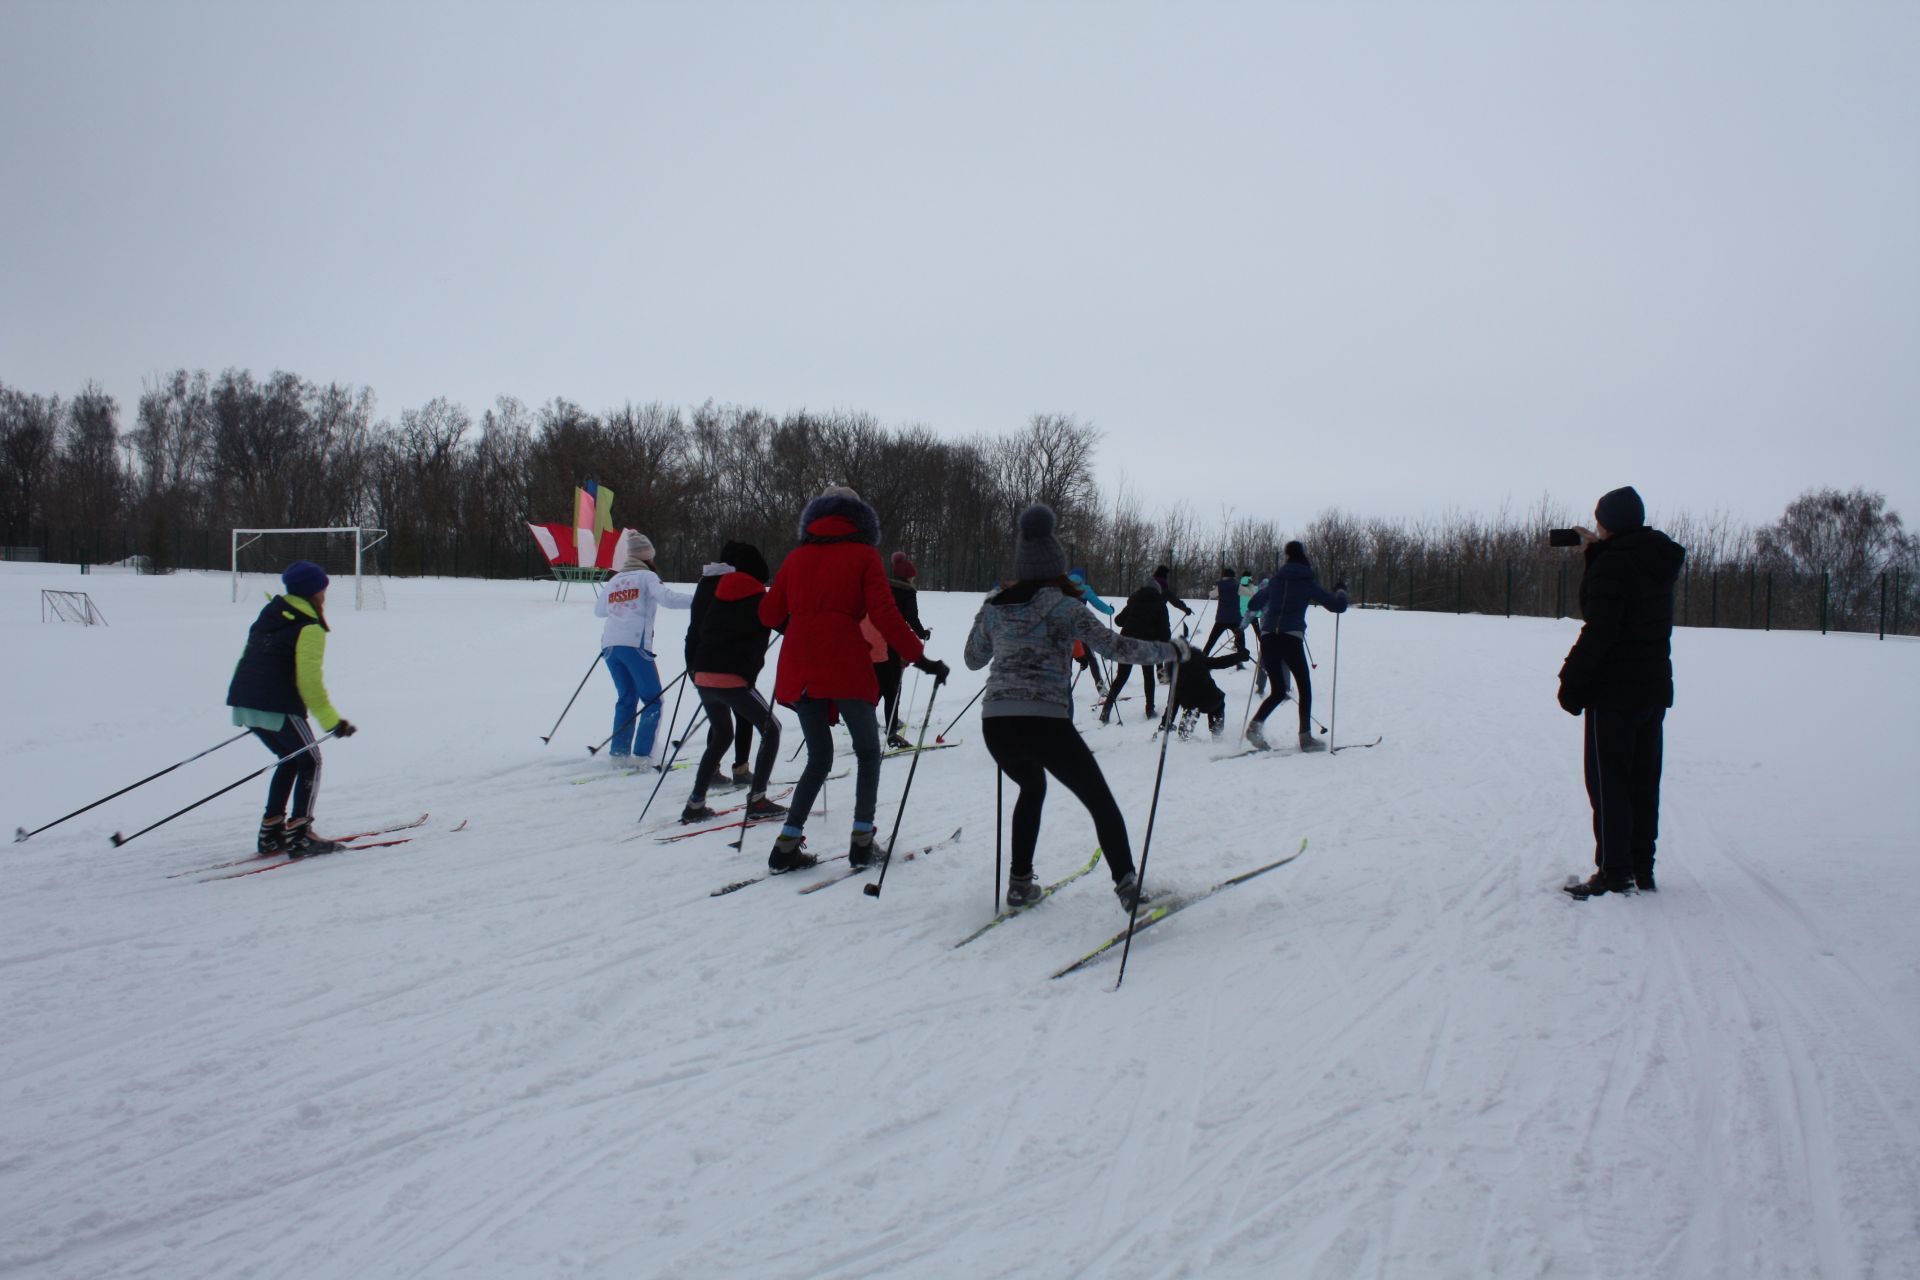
[[831, 581]]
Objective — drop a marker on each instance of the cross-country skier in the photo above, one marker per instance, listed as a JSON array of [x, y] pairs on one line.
[[724, 661], [1144, 617], [277, 681], [1082, 654], [824, 587], [1226, 614], [710, 575], [1195, 694], [628, 604], [906, 597], [1027, 631], [1283, 639]]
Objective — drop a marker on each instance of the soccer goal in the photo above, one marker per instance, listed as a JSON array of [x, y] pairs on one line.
[[70, 606], [345, 553]]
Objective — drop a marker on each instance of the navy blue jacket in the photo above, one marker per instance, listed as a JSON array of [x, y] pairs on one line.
[[1229, 597], [1283, 601], [264, 679]]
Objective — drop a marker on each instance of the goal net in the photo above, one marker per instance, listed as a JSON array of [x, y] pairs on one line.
[[347, 554]]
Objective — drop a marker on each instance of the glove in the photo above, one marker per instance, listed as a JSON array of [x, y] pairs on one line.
[[1341, 586], [1182, 651], [344, 729], [1568, 702], [935, 668]]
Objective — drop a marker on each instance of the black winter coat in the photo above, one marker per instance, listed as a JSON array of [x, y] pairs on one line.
[[732, 639], [1623, 658], [1144, 616], [264, 679]]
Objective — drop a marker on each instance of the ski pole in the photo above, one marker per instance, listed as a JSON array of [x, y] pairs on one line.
[[999, 800], [1333, 700], [1146, 842], [21, 833], [942, 735], [1260, 665], [873, 890], [548, 736], [674, 718], [119, 839], [671, 757], [637, 713]]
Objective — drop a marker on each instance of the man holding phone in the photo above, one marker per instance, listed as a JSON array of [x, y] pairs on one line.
[[1619, 676]]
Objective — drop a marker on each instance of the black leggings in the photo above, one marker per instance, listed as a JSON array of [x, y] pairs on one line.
[[888, 674], [1290, 651], [1027, 749], [722, 705], [299, 776], [1121, 670]]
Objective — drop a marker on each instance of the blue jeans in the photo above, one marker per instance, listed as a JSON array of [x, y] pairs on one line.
[[637, 681], [860, 722]]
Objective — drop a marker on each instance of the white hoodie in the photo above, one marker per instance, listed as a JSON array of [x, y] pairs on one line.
[[628, 605]]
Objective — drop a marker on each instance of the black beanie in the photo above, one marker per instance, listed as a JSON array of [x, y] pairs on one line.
[[1295, 551], [1621, 510]]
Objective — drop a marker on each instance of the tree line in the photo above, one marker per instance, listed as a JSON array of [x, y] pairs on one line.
[[205, 453]]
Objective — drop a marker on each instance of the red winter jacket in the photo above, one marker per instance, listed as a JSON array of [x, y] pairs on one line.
[[831, 580]]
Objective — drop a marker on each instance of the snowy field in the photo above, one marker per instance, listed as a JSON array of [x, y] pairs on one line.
[[528, 1048]]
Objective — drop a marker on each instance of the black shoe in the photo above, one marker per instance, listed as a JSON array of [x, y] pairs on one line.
[[1596, 884], [788, 856], [696, 811], [759, 809], [1023, 891], [1644, 883], [897, 743], [302, 843], [859, 851]]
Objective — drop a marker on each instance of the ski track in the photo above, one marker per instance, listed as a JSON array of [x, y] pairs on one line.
[[524, 1049]]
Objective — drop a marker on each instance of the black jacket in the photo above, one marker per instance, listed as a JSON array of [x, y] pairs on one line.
[[1145, 614], [1623, 658], [906, 598], [264, 680]]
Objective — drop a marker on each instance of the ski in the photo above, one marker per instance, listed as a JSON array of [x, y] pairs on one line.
[[629, 773], [275, 866], [1357, 746], [1045, 893], [420, 821], [674, 836], [907, 751], [850, 872], [1158, 911]]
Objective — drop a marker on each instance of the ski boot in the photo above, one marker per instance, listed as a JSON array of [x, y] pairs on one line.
[[1187, 721], [860, 850], [272, 838], [897, 743], [1257, 736], [1217, 726], [302, 843], [742, 775], [1022, 891], [1128, 890], [696, 811], [787, 855], [759, 808], [1310, 743]]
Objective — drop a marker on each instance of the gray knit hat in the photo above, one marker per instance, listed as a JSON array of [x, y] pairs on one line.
[[1037, 554], [639, 550]]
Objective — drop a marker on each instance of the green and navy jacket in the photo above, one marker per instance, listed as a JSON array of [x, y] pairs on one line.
[[279, 673]]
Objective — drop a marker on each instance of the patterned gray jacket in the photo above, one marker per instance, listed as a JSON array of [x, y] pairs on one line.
[[1027, 633]]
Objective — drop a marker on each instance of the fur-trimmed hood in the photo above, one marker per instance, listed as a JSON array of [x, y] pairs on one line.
[[836, 518]]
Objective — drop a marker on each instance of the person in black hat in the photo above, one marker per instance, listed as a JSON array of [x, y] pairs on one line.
[[276, 682], [725, 653], [1144, 617], [1619, 676]]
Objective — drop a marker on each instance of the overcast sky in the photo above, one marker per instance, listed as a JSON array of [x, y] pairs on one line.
[[1397, 257]]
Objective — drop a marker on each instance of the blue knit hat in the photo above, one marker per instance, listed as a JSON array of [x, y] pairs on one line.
[[304, 578]]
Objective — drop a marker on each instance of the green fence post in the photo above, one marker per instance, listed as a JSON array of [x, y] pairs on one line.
[[1826, 583], [1896, 601], [1509, 588], [1769, 599], [1459, 590], [1753, 580], [1713, 600], [1883, 604], [1363, 588], [1686, 598]]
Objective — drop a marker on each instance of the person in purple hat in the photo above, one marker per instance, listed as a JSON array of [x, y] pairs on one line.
[[277, 681]]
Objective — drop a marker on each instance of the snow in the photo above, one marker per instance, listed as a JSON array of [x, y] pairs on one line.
[[534, 1048]]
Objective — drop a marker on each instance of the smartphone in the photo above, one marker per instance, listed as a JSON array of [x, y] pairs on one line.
[[1563, 537]]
